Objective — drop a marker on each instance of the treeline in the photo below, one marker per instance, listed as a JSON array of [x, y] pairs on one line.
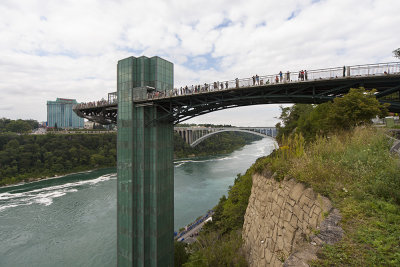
[[23, 157], [17, 126], [358, 107], [30, 156], [221, 143]]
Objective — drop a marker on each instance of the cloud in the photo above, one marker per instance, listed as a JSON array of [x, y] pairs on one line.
[[70, 48]]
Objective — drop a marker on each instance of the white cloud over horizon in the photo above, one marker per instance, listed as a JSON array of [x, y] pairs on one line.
[[70, 48]]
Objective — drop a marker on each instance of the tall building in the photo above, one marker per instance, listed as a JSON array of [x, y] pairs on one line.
[[60, 112], [143, 71], [145, 197]]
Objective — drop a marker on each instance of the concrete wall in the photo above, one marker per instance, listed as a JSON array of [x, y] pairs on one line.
[[278, 218]]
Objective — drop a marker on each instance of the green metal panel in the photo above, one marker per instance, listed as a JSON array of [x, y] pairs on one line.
[[124, 165], [145, 173]]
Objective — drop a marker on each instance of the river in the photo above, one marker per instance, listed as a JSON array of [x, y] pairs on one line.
[[71, 220]]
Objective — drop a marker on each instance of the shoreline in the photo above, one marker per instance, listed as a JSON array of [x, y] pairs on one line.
[[59, 175], [55, 176]]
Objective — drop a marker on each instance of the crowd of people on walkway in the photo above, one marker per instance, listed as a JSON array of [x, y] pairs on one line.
[[101, 102], [255, 80]]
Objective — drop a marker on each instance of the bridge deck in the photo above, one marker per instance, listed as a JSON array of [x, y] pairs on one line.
[[319, 86]]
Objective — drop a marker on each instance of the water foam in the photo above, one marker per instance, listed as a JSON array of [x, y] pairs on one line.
[[44, 196], [182, 162]]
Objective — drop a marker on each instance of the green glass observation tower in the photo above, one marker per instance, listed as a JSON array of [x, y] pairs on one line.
[[145, 165]]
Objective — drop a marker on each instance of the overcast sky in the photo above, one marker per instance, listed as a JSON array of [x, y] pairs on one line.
[[70, 49]]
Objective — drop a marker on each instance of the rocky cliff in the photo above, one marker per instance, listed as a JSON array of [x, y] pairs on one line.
[[283, 223]]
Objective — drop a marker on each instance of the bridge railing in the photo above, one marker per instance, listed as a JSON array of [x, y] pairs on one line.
[[284, 77]]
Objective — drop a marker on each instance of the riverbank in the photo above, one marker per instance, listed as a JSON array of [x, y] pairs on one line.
[[38, 179], [17, 181], [25, 158], [353, 169]]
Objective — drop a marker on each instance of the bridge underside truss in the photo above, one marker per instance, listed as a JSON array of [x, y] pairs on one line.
[[182, 108], [103, 115]]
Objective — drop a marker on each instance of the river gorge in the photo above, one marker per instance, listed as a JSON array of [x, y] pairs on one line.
[[71, 220]]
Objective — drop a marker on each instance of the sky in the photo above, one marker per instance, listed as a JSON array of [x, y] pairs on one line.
[[70, 48]]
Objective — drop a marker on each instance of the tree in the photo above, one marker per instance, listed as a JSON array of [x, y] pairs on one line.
[[18, 126], [396, 53], [290, 117], [357, 107], [316, 122], [3, 124], [180, 254], [33, 123]]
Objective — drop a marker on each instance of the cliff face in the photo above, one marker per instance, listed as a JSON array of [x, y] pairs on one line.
[[279, 217]]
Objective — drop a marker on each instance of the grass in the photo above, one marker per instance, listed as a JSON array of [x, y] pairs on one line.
[[357, 172]]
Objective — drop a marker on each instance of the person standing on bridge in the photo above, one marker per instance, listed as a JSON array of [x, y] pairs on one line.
[[344, 71], [277, 79], [254, 80], [237, 82], [257, 79], [280, 76], [305, 75], [288, 76], [226, 84]]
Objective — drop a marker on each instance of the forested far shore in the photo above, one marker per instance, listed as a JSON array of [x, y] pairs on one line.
[[30, 157], [222, 143]]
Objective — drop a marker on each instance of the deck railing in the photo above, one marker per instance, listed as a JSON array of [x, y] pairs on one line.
[[279, 78]]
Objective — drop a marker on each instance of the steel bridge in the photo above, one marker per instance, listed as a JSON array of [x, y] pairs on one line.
[[195, 135], [321, 85], [145, 117]]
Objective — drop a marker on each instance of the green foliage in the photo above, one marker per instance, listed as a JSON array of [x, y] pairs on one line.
[[234, 207], [316, 122], [290, 117], [221, 143], [17, 126], [215, 250], [358, 107], [354, 168], [23, 157], [28, 156], [181, 256], [357, 172], [220, 241]]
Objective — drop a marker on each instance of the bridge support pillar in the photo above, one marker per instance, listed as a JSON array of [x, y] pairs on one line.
[[145, 199]]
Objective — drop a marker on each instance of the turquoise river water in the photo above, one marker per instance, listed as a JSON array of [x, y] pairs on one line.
[[71, 220]]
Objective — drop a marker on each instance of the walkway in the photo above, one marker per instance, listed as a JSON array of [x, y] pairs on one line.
[[308, 87]]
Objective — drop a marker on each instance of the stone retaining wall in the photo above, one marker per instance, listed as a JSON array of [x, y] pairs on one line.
[[279, 216]]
